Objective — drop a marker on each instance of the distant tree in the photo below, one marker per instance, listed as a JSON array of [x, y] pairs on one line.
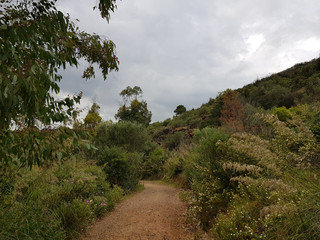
[[179, 110], [137, 111], [277, 96], [217, 104], [93, 118], [232, 111], [130, 93]]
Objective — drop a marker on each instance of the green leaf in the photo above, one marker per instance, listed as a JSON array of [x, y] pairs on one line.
[[59, 155], [33, 69], [94, 147], [43, 47], [5, 93], [15, 78], [14, 100]]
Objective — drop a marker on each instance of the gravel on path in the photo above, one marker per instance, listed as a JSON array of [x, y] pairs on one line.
[[156, 213]]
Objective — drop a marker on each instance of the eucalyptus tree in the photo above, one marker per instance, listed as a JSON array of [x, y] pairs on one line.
[[92, 118], [36, 40], [137, 111]]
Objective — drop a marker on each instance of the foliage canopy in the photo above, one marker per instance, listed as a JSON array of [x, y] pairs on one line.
[[137, 111], [180, 109], [36, 40], [93, 118]]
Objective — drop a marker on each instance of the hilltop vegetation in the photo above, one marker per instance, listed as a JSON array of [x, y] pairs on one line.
[[295, 87]]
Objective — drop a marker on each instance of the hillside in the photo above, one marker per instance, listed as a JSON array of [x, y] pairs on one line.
[[251, 168], [297, 85]]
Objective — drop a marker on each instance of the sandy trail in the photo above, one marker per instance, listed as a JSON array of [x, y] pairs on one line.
[[155, 213]]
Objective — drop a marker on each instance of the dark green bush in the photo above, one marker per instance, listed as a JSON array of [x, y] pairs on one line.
[[174, 140], [128, 135], [174, 165], [30, 222], [121, 167], [152, 167], [204, 174], [75, 215]]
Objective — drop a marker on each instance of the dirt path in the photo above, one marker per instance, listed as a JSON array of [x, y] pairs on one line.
[[155, 213]]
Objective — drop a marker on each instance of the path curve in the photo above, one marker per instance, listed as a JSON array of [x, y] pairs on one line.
[[155, 213]]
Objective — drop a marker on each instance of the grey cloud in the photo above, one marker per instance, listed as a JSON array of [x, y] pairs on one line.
[[184, 52]]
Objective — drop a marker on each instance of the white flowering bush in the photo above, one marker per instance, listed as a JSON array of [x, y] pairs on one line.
[[250, 187]]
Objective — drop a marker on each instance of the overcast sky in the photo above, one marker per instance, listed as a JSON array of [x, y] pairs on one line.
[[186, 51]]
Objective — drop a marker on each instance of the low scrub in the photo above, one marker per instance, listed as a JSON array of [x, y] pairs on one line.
[[245, 186], [122, 168], [132, 137], [127, 154], [56, 203]]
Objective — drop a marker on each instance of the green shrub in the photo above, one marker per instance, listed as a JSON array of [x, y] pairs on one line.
[[121, 167], [166, 122], [113, 196], [75, 216], [7, 179], [207, 123], [175, 122], [282, 113], [246, 187], [174, 140], [239, 223], [30, 222], [152, 166], [98, 204], [315, 126], [209, 135], [128, 135], [174, 167], [53, 203]]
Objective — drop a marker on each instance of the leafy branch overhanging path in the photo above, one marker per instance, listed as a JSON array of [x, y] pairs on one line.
[[155, 213]]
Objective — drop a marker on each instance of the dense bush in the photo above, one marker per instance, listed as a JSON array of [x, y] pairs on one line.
[[153, 164], [282, 113], [128, 135], [247, 187], [127, 153], [202, 171], [174, 140], [299, 84], [174, 165], [122, 168], [56, 203]]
